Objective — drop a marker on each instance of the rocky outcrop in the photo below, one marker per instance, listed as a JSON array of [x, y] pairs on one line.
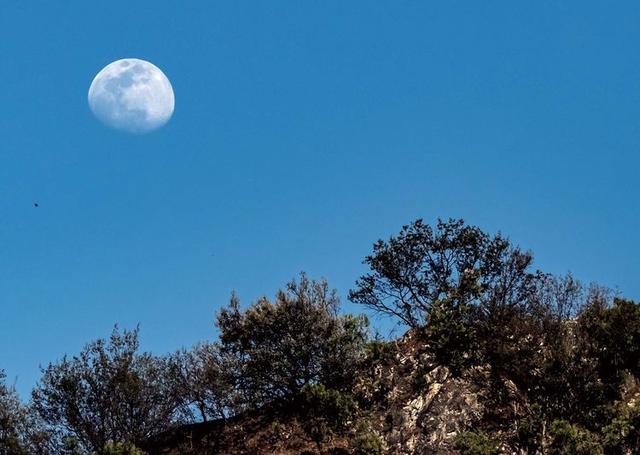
[[424, 406], [412, 406]]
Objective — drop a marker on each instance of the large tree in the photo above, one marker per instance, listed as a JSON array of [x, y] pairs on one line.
[[474, 296], [21, 432], [450, 262], [279, 347], [203, 378]]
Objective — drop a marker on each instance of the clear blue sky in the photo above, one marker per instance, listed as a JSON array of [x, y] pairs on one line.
[[303, 132]]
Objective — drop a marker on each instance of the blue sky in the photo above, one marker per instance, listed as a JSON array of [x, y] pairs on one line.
[[303, 132]]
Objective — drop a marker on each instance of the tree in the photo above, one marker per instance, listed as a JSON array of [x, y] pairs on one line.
[[565, 379], [452, 262], [324, 412], [203, 380], [21, 432], [12, 420], [278, 348], [472, 292], [569, 439], [622, 434], [608, 340], [622, 337], [109, 393], [451, 336]]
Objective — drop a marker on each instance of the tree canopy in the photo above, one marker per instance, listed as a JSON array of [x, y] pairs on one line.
[[109, 393], [299, 339]]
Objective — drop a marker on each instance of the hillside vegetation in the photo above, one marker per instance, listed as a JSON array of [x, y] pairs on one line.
[[498, 357]]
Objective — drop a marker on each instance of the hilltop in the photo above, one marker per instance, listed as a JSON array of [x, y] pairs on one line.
[[498, 357]]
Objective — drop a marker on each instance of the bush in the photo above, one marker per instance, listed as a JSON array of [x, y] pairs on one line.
[[568, 439], [476, 443], [12, 420], [451, 335], [279, 348], [324, 412], [107, 393], [21, 432], [529, 431], [120, 449], [379, 351], [366, 442], [617, 339], [607, 351], [203, 380], [623, 432]]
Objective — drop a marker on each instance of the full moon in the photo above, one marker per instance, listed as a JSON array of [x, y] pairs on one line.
[[132, 95]]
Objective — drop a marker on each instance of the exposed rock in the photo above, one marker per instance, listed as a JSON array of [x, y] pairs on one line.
[[416, 407], [425, 406]]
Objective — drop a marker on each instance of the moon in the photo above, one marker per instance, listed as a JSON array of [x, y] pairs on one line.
[[132, 95]]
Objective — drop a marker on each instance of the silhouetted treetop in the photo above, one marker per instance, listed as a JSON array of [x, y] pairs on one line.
[[448, 262]]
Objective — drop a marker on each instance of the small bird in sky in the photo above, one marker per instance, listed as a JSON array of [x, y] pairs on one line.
[[36, 205]]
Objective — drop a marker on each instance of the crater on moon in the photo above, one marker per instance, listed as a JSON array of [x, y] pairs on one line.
[[132, 95]]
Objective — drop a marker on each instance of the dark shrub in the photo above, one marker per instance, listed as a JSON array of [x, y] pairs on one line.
[[622, 434], [109, 393], [476, 443], [324, 412], [120, 449], [451, 336], [568, 439], [279, 348]]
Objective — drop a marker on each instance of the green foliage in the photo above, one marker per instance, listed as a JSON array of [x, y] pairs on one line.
[[623, 432], [477, 300], [450, 279], [568, 439], [279, 348], [109, 392], [324, 412], [451, 337], [562, 351], [472, 291], [365, 442], [120, 449], [618, 338], [12, 420], [202, 379], [21, 432], [379, 351], [607, 351], [476, 443], [448, 262], [70, 445], [529, 431], [565, 379]]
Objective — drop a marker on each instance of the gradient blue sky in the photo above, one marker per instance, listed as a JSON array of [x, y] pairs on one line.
[[303, 132]]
